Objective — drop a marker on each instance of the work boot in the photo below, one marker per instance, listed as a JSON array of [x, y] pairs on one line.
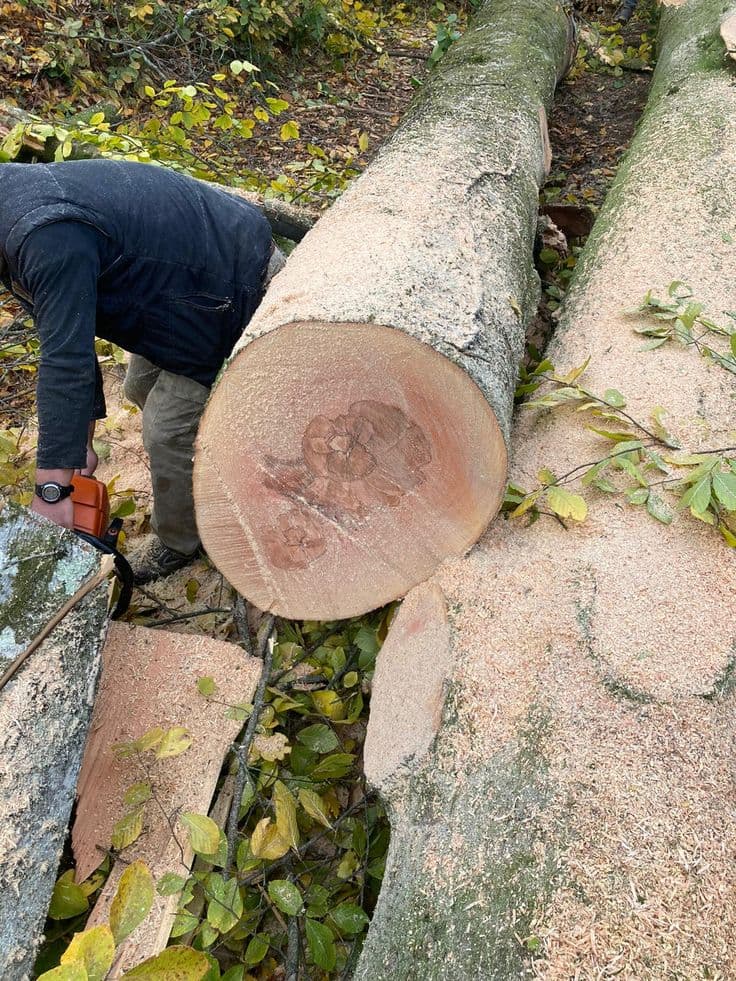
[[154, 560]]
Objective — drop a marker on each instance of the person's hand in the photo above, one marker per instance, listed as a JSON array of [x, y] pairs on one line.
[[62, 512], [92, 461]]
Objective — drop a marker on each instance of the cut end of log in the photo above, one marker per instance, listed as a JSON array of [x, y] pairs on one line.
[[728, 33], [338, 464]]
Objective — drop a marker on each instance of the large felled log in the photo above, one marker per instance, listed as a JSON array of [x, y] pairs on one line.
[[358, 435], [44, 715], [571, 814]]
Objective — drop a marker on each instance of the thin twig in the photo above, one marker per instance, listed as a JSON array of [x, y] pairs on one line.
[[292, 950], [242, 748]]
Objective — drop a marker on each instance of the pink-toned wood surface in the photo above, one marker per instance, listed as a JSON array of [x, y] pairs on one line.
[[355, 494], [149, 679]]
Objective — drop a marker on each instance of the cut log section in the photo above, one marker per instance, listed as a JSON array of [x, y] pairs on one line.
[[571, 818], [44, 714], [149, 679], [358, 435]]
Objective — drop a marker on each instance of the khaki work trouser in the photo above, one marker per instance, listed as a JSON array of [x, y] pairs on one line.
[[172, 406]]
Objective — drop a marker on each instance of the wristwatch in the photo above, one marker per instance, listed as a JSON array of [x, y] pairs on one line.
[[53, 492]]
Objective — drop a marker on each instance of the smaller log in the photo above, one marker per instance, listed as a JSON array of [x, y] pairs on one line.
[[149, 678], [44, 714]]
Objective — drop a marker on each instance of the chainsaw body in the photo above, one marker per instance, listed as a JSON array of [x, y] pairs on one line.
[[91, 506], [92, 523]]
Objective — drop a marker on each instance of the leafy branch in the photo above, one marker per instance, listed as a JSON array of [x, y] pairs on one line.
[[639, 461]]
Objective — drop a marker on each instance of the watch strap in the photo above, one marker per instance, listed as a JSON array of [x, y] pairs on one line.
[[65, 490]]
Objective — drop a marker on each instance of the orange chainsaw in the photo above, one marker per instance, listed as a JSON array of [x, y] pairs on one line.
[[92, 524]]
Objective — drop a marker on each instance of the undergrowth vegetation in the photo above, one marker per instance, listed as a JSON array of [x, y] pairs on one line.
[[287, 886]]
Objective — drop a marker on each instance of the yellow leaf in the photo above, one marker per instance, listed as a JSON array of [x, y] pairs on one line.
[[149, 739], [567, 505], [314, 806], [285, 807], [289, 131], [363, 142], [173, 964], [133, 900], [329, 704], [529, 501], [266, 842], [127, 829], [66, 972], [175, 742], [95, 949], [204, 835]]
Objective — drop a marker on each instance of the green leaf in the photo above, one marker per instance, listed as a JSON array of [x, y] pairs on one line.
[[95, 949], [225, 906], [137, 793], [277, 106], [605, 485], [349, 918], [285, 896], [319, 738], [127, 830], [183, 923], [68, 899], [191, 589], [639, 495], [173, 964], [314, 806], [615, 435], [170, 883], [697, 497], [285, 807], [724, 487], [236, 973], [175, 742], [366, 641], [124, 509], [567, 505], [658, 509], [613, 397], [133, 900], [257, 949], [321, 944], [204, 835], [206, 686], [333, 767]]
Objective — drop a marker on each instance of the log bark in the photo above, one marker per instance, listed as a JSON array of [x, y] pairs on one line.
[[358, 435], [572, 813], [44, 715]]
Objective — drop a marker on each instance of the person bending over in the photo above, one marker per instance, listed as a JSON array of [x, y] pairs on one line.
[[169, 268]]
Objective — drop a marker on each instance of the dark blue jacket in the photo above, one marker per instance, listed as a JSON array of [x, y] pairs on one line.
[[161, 264]]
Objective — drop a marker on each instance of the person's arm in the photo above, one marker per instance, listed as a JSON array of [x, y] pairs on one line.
[[59, 265]]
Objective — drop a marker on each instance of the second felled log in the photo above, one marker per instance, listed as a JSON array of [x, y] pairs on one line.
[[358, 436]]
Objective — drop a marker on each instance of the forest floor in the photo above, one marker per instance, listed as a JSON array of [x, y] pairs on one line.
[[347, 111]]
